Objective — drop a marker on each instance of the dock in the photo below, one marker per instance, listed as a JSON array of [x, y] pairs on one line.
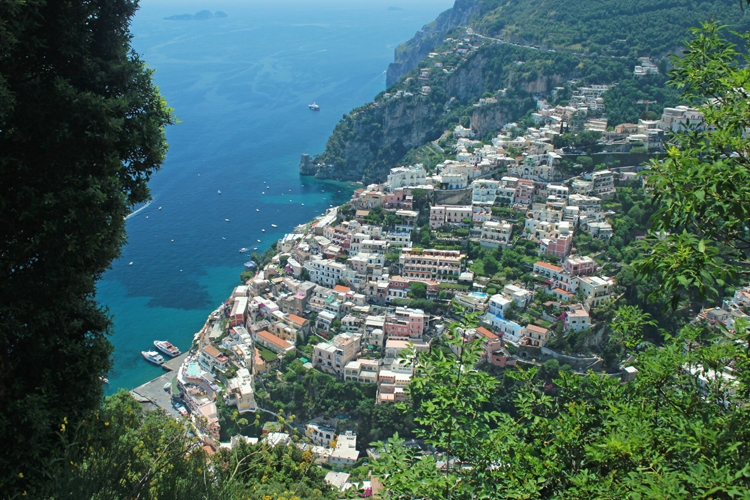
[[153, 391]]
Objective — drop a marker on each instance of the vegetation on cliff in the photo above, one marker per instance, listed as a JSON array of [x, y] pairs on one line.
[[603, 27]]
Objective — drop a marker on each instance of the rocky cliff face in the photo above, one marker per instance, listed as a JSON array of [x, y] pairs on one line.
[[376, 137], [409, 54]]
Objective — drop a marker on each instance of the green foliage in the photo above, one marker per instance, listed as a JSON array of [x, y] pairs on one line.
[[81, 132], [603, 27], [665, 434], [700, 237], [622, 100], [417, 290]]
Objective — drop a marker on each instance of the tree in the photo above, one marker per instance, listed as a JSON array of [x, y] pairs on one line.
[[594, 438], [81, 132], [417, 290], [700, 238], [490, 266]]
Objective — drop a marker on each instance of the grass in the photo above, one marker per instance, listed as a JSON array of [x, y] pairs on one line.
[[266, 354]]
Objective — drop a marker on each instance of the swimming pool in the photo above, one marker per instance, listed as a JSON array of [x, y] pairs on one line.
[[478, 295], [193, 371]]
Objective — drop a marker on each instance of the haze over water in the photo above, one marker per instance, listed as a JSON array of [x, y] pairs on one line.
[[240, 87]]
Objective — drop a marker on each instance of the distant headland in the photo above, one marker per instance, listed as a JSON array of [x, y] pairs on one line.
[[198, 16]]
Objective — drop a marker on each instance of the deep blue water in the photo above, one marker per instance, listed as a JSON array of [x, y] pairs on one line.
[[240, 88]]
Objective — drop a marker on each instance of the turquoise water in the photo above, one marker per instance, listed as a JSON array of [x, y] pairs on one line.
[[240, 86]]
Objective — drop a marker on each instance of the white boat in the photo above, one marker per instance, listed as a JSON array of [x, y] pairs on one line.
[[262, 230], [257, 209], [258, 241], [159, 208], [226, 220], [153, 357], [167, 348], [314, 107], [219, 189], [274, 225], [130, 263], [243, 250]]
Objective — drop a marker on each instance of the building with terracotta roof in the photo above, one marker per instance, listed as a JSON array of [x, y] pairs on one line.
[[210, 358], [538, 335], [272, 342]]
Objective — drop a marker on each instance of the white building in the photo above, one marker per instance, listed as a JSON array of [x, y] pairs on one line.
[[240, 391], [345, 453], [325, 271], [596, 290], [495, 234], [411, 176]]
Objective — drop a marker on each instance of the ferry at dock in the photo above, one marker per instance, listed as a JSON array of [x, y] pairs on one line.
[[153, 357], [167, 348]]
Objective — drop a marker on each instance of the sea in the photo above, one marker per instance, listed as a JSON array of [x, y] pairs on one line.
[[239, 86]]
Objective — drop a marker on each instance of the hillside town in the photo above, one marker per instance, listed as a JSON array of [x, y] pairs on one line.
[[340, 294]]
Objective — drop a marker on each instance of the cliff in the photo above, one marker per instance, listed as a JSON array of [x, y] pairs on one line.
[[376, 137], [409, 54]]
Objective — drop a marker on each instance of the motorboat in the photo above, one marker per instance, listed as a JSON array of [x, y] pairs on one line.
[[153, 357], [226, 220], [243, 250], [167, 348], [130, 263], [219, 189], [257, 209], [274, 225], [314, 107], [262, 230]]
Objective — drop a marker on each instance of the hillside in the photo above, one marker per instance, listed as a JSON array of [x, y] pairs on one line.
[[507, 50]]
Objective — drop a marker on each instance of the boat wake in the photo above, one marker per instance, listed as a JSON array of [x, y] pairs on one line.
[[135, 212]]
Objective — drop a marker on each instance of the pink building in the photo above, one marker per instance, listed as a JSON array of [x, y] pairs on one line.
[[559, 247], [578, 266], [400, 198], [405, 324], [524, 192]]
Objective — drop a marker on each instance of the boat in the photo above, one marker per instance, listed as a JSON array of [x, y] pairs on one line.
[[104, 380], [159, 208], [243, 250], [167, 348], [255, 248], [314, 107], [130, 263], [257, 209], [258, 241], [274, 225], [219, 189], [262, 230], [153, 357], [226, 220]]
